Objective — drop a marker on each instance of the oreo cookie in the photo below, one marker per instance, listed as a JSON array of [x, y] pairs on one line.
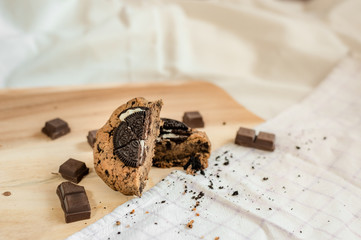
[[174, 124], [174, 130], [129, 136]]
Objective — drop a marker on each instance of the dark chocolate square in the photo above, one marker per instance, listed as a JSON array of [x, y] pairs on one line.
[[193, 119], [73, 170], [92, 137], [56, 128], [74, 202]]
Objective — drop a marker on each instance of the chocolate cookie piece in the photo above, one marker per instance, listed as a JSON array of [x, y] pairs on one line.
[[124, 146], [181, 146]]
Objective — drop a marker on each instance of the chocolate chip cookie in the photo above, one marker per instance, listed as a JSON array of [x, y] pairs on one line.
[[124, 146]]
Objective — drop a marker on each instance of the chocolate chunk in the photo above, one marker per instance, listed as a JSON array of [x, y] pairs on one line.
[[56, 128], [73, 170], [129, 137], [194, 163], [193, 119], [265, 141], [247, 137], [74, 202], [92, 137]]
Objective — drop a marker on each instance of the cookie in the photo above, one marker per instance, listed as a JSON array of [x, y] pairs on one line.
[[181, 146], [124, 146]]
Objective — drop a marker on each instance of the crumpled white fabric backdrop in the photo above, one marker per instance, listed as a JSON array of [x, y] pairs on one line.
[[268, 54], [308, 188]]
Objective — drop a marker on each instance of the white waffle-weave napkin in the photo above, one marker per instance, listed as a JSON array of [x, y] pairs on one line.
[[309, 187]]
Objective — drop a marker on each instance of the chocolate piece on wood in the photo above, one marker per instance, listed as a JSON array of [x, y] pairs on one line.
[[92, 137], [56, 128], [73, 170], [265, 141], [247, 137], [74, 202], [193, 119]]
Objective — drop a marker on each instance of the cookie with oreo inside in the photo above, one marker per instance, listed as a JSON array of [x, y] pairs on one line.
[[124, 146]]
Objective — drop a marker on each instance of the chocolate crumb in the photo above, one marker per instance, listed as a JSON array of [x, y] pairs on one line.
[[235, 193], [265, 178], [324, 138], [224, 123], [7, 193], [211, 184], [118, 233], [132, 211], [297, 147], [162, 201], [190, 224], [269, 208]]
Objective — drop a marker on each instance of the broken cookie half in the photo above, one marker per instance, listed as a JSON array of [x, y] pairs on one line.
[[181, 146], [124, 146]]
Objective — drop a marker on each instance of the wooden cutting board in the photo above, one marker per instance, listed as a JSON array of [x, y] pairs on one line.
[[29, 160]]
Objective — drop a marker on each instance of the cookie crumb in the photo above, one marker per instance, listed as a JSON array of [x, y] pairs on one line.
[[128, 226], [216, 238], [224, 123], [132, 211], [146, 212], [194, 209], [197, 214], [190, 224], [117, 223], [7, 193]]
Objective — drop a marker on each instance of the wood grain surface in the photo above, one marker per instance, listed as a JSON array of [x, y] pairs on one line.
[[29, 160]]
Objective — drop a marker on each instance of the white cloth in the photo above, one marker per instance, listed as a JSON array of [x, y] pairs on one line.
[[268, 54], [308, 188]]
